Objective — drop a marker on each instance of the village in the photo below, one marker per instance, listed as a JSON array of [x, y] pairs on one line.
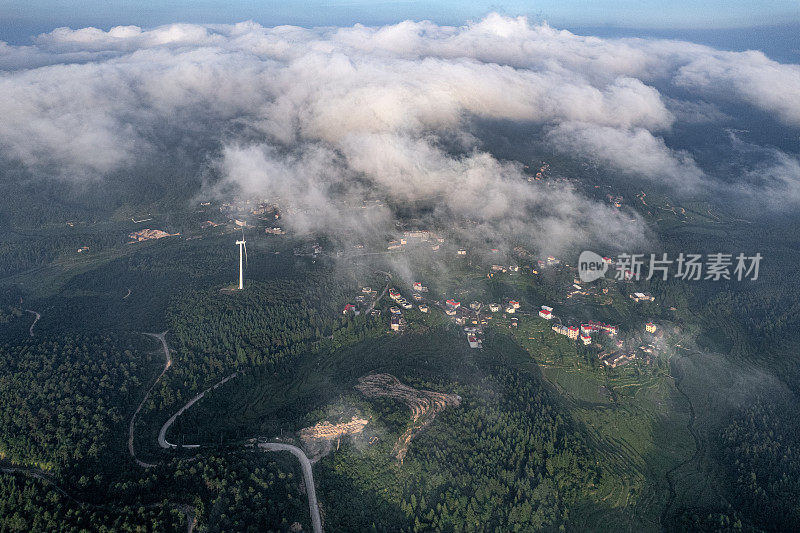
[[605, 340], [601, 335]]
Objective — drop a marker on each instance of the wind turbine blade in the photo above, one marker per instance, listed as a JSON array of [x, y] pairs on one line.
[[245, 254]]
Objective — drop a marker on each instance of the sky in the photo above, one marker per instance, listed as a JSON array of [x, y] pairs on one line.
[[21, 19]]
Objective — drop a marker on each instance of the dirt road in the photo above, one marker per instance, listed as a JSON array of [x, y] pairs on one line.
[[35, 320], [37, 474], [677, 376], [383, 292]]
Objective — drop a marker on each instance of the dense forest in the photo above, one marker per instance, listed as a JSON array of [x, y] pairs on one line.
[[263, 332], [245, 490], [510, 461], [760, 456], [32, 505], [69, 397]]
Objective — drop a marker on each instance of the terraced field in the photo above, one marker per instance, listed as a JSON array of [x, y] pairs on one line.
[[636, 420], [424, 404]]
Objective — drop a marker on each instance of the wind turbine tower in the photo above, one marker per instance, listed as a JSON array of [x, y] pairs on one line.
[[242, 247]]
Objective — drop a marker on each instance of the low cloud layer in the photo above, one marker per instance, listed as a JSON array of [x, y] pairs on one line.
[[635, 151], [327, 118]]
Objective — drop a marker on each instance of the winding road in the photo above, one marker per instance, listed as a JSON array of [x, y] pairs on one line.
[[308, 475], [162, 435], [35, 320], [40, 475], [161, 337]]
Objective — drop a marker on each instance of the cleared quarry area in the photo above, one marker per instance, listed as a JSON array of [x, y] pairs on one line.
[[424, 404], [317, 440]]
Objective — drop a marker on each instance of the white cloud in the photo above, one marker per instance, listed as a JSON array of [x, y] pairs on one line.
[[635, 151], [750, 77], [781, 180], [773, 181], [313, 114]]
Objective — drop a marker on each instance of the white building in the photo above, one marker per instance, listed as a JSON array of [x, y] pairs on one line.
[[474, 341]]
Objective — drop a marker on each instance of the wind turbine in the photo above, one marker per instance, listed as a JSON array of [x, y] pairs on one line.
[[242, 247]]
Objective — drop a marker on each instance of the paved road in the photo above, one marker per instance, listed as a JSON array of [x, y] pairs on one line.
[[35, 320], [160, 337], [308, 476], [162, 435]]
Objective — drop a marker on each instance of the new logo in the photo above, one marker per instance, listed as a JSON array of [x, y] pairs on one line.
[[591, 266]]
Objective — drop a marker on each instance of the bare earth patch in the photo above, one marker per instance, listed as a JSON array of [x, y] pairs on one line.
[[424, 404], [317, 439], [150, 234]]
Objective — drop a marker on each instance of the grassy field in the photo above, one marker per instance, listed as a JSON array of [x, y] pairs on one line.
[[635, 417]]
